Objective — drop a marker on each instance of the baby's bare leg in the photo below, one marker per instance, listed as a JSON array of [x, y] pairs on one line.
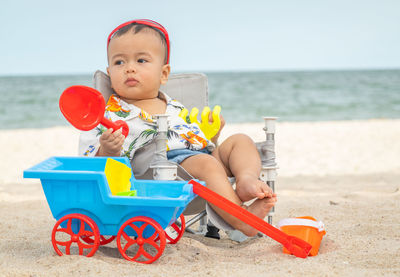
[[241, 159], [208, 169]]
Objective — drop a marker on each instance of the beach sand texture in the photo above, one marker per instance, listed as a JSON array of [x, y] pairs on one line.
[[345, 173]]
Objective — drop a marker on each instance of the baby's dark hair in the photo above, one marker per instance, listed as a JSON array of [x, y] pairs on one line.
[[136, 28]]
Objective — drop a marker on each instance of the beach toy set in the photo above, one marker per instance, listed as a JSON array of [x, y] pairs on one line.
[[89, 215], [97, 199]]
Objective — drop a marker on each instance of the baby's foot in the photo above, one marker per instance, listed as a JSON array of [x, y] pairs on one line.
[[259, 208], [249, 187]]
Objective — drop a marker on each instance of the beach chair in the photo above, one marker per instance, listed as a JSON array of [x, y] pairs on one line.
[[191, 89]]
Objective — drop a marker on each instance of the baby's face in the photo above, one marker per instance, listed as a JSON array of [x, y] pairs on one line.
[[136, 65]]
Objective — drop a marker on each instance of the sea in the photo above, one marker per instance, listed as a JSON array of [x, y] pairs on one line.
[[32, 101]]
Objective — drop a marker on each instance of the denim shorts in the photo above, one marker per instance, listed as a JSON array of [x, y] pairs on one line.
[[179, 155]]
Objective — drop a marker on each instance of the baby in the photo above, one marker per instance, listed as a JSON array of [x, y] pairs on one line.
[[138, 63]]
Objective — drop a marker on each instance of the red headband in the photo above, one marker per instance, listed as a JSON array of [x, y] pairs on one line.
[[147, 22]]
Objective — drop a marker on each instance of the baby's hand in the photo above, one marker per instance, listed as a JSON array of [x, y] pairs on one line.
[[111, 143]]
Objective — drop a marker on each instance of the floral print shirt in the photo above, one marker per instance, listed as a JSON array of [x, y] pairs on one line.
[[143, 129]]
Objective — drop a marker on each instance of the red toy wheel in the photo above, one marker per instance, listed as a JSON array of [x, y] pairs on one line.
[[77, 227], [103, 239], [141, 245], [174, 232]]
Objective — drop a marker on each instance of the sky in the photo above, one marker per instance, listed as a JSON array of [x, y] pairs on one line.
[[69, 37]]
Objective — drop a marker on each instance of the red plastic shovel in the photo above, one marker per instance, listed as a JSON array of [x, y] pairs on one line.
[[84, 108], [296, 246]]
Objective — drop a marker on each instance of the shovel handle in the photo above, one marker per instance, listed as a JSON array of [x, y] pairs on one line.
[[115, 125]]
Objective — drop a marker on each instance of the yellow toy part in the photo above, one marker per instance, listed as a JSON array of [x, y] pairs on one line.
[[183, 114], [127, 193], [209, 129], [118, 176]]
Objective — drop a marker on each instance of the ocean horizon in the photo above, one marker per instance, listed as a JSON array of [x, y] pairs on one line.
[[31, 101]]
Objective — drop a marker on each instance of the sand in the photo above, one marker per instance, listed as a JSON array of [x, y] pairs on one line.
[[345, 173]]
